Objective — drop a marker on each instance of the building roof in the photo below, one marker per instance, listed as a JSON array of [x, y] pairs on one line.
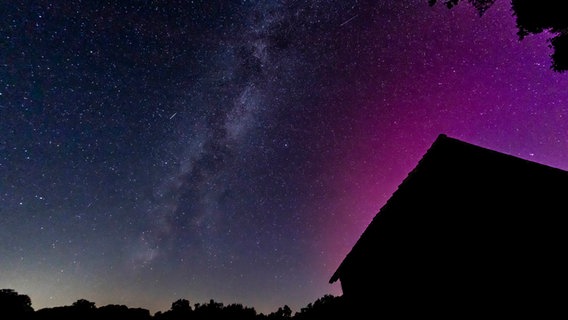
[[460, 193]]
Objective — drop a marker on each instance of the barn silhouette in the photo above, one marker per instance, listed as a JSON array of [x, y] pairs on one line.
[[469, 232]]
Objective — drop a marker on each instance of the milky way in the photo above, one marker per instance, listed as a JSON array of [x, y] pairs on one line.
[[235, 151]]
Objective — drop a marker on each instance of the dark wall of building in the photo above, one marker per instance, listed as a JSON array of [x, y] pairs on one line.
[[469, 231]]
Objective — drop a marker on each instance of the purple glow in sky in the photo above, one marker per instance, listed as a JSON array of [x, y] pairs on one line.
[[237, 151]]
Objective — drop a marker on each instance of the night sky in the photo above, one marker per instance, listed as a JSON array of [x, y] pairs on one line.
[[236, 150]]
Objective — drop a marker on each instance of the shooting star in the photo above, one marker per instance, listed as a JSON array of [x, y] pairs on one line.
[[173, 115], [348, 20]]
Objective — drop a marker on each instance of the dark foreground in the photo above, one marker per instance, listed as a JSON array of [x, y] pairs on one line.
[[19, 307]]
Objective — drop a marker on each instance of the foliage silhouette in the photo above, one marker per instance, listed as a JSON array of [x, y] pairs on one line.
[[326, 307], [121, 312], [83, 305], [533, 17], [480, 5], [181, 306], [16, 306]]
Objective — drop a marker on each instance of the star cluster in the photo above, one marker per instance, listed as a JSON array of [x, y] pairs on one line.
[[235, 150]]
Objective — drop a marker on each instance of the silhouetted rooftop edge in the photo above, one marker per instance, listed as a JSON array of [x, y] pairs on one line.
[[442, 148]]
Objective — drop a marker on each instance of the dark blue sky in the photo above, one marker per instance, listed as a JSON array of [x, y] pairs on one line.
[[153, 150]]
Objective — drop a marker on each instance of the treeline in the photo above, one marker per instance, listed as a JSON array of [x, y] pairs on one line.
[[19, 306]]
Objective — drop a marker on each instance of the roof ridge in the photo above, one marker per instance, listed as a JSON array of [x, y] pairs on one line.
[[441, 143]]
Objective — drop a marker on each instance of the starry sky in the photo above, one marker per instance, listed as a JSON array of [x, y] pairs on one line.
[[236, 150]]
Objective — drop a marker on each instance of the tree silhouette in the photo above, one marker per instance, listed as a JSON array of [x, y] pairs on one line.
[[480, 5], [17, 306], [83, 309], [181, 306], [212, 310], [14, 304], [533, 17], [120, 312], [180, 309], [537, 16], [326, 307], [282, 313], [84, 305]]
